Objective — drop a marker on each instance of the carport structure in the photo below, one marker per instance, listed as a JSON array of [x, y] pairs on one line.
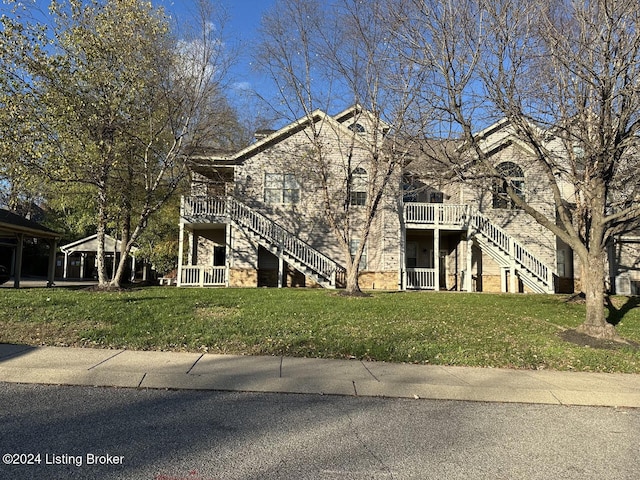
[[14, 228], [80, 256]]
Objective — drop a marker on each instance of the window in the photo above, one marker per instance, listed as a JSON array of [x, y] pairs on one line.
[[353, 247], [281, 188], [358, 192], [436, 197], [357, 128], [409, 193], [511, 175]]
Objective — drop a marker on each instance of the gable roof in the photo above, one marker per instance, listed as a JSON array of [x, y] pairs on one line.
[[287, 131], [355, 111], [12, 224], [90, 244], [500, 135]]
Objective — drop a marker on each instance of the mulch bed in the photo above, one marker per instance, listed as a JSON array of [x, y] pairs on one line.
[[583, 340]]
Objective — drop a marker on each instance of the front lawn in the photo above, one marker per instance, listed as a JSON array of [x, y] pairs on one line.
[[444, 328]]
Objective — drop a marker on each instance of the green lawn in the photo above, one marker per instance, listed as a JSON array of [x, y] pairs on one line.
[[490, 330]]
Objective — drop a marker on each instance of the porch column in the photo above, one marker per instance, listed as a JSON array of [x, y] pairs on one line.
[[280, 271], [180, 254], [83, 264], [436, 256], [227, 255], [53, 246], [512, 277], [402, 246], [402, 274], [64, 267], [133, 268], [468, 277], [18, 268]]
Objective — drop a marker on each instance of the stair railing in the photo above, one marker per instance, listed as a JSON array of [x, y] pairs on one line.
[[511, 247], [244, 216]]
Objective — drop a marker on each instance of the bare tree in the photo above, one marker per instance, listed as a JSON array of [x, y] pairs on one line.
[[566, 75], [334, 55]]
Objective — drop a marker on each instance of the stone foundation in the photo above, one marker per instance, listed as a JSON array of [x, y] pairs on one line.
[[291, 278], [487, 283], [243, 277], [378, 280]]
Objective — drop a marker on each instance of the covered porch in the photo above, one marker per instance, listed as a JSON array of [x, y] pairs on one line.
[[437, 247], [202, 255]]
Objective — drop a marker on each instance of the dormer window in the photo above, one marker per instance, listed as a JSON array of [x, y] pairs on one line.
[[356, 128]]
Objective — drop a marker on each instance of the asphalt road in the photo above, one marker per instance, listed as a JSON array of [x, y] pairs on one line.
[[109, 433]]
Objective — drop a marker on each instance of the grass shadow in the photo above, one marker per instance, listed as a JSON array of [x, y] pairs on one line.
[[616, 314], [584, 340]]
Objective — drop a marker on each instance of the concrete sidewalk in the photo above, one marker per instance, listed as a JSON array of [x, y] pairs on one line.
[[171, 370]]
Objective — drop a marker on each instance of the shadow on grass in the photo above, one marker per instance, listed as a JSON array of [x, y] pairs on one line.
[[617, 314], [584, 340]]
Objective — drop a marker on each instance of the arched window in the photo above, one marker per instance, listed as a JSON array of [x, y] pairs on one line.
[[511, 175], [358, 190]]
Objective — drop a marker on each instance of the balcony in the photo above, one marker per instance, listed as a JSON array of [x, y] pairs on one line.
[[442, 215], [203, 209]]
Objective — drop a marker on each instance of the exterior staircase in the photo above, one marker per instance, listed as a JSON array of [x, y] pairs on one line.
[[499, 245], [268, 234], [511, 254], [502, 247]]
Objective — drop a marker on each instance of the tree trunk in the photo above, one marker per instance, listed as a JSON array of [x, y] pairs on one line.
[[352, 284], [116, 281], [101, 254], [595, 324]]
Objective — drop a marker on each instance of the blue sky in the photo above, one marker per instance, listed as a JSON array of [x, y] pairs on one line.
[[241, 31]]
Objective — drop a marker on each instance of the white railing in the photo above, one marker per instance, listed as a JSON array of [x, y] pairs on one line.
[[203, 207], [420, 278], [267, 229], [436, 213], [421, 213], [512, 248], [202, 276]]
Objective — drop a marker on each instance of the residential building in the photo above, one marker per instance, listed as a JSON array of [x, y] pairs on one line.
[[256, 217]]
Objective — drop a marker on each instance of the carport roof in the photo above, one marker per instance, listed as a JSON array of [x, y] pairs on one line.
[[12, 224], [90, 244]]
